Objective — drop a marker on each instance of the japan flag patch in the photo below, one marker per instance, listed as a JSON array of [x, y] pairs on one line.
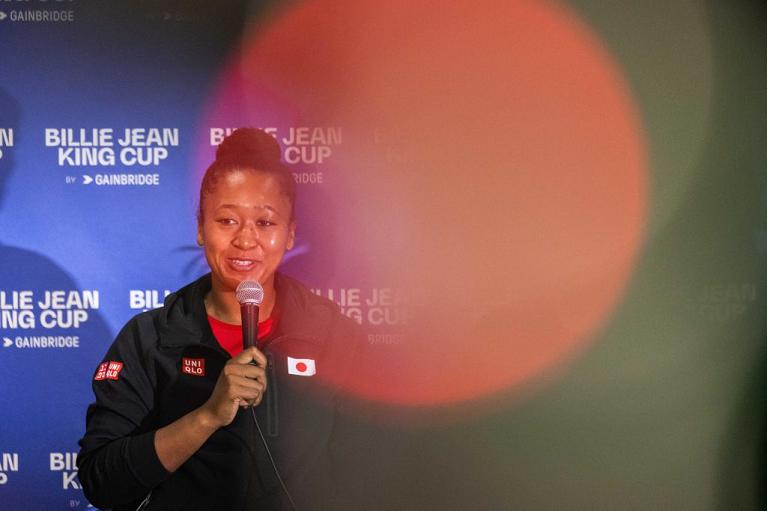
[[301, 366]]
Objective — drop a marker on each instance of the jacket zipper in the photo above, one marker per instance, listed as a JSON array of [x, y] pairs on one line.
[[272, 394], [272, 409]]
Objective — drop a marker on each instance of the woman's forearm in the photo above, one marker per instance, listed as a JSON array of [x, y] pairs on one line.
[[179, 440]]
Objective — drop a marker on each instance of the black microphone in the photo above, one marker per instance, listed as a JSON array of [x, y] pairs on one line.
[[250, 294]]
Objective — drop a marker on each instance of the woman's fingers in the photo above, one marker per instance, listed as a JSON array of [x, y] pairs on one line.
[[246, 370], [249, 355], [250, 392]]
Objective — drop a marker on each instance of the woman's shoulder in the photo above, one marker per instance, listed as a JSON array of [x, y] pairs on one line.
[[303, 309], [293, 293], [177, 316]]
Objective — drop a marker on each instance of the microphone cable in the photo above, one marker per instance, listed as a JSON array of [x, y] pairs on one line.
[[250, 294], [271, 459]]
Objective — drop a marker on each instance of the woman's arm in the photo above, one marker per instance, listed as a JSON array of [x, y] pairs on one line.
[[115, 464], [239, 384]]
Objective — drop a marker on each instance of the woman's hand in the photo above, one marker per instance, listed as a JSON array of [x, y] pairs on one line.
[[240, 384]]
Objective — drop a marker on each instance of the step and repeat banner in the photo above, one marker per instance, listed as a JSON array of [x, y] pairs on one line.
[[549, 219]]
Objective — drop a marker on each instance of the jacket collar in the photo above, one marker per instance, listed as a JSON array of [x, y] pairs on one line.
[[183, 320]]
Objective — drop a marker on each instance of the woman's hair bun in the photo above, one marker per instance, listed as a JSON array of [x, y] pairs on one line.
[[252, 150], [249, 147]]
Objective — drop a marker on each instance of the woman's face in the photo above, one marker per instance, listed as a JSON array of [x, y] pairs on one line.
[[245, 230]]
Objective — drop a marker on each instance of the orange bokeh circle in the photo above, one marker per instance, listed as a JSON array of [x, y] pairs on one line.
[[503, 186]]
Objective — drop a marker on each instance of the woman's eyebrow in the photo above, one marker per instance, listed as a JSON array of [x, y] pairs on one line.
[[238, 206]]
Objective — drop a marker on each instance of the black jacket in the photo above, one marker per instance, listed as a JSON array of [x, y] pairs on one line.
[[118, 465]]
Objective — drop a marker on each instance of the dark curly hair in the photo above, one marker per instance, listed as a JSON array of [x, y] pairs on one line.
[[249, 149]]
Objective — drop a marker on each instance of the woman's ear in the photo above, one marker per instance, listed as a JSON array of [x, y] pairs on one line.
[[291, 234]]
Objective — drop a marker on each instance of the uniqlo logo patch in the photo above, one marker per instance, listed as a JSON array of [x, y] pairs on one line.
[[193, 366], [108, 371]]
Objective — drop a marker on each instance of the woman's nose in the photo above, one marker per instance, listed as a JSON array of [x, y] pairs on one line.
[[247, 236]]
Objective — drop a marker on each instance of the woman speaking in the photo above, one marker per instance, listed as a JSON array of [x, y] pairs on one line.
[[184, 418]]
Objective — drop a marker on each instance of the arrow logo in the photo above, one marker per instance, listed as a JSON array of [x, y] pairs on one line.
[[7, 342], [3, 15], [87, 180]]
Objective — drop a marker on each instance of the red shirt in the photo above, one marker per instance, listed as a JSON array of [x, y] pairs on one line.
[[230, 336]]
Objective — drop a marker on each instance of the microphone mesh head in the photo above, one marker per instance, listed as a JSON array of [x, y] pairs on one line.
[[250, 292]]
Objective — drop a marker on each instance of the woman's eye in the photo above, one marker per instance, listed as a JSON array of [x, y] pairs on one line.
[[226, 221], [265, 223]]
